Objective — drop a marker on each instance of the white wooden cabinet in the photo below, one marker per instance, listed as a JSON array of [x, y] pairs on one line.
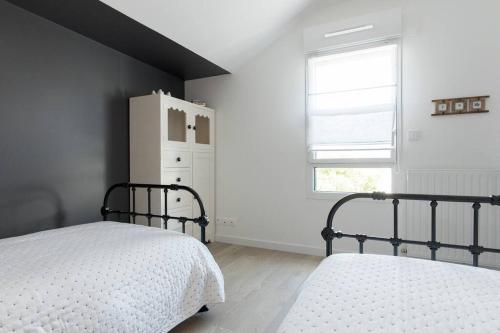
[[172, 142]]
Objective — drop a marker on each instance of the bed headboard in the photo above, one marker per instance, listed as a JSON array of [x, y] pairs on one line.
[[201, 220], [475, 249]]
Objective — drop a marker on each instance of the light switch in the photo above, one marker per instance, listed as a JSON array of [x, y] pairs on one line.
[[414, 135]]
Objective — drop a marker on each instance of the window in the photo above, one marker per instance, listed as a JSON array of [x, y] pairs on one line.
[[352, 103], [352, 179]]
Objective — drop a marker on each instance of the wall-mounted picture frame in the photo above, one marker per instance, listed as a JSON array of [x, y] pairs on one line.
[[460, 105], [442, 106], [477, 104]]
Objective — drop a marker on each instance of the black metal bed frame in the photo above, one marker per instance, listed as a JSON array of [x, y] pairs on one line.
[[201, 220], [475, 249]]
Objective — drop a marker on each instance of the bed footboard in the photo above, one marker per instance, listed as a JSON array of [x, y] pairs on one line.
[[329, 233], [201, 220]]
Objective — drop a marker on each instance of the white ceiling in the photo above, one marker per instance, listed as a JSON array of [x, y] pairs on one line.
[[226, 32]]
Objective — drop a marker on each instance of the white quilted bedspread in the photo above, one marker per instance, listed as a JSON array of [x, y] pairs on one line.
[[104, 277], [372, 293]]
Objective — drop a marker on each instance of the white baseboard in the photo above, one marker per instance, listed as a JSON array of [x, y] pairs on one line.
[[272, 245]]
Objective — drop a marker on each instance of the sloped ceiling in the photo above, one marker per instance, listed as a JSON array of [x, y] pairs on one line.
[[226, 32]]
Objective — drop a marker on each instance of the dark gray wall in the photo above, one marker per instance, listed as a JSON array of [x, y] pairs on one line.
[[63, 121], [102, 23]]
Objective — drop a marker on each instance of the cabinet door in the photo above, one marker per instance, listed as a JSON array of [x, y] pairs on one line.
[[203, 128], [175, 225], [178, 125], [203, 171]]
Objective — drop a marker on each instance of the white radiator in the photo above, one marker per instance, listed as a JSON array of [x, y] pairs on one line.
[[454, 220]]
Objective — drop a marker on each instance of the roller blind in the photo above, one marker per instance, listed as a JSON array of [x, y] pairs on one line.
[[352, 99]]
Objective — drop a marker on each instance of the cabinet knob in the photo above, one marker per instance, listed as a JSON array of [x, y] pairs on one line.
[[179, 179], [178, 200], [189, 126], [178, 159], [194, 127]]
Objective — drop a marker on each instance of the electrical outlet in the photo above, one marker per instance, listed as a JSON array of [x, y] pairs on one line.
[[404, 251], [225, 221]]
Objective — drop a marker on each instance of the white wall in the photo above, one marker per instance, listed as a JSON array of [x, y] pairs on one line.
[[450, 49]]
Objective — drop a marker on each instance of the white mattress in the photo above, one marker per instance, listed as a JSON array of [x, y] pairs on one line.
[[372, 293], [104, 277]]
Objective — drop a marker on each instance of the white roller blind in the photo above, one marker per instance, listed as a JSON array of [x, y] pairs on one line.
[[352, 99]]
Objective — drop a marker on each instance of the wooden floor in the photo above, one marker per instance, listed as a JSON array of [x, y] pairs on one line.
[[261, 285]]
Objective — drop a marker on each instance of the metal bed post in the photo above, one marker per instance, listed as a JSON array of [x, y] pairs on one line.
[[165, 210], [329, 233], [133, 205], [361, 240], [476, 250], [394, 241], [433, 245], [201, 220], [202, 231], [149, 206]]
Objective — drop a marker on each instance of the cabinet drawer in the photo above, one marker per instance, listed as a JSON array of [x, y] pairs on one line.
[[178, 199], [177, 159], [178, 177]]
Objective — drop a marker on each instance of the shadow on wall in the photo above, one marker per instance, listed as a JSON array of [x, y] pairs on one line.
[[116, 138], [29, 210]]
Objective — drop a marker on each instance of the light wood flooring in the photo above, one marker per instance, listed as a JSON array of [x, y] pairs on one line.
[[261, 285]]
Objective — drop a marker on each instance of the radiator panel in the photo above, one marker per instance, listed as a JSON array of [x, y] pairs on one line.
[[454, 220]]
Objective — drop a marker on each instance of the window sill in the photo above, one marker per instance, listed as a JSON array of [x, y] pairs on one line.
[[336, 196]]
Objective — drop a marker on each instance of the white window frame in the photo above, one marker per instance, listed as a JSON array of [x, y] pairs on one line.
[[391, 162]]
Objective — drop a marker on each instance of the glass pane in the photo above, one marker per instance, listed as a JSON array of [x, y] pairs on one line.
[[202, 129], [352, 98], [176, 125], [372, 67], [352, 154], [369, 129], [352, 179], [351, 102]]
